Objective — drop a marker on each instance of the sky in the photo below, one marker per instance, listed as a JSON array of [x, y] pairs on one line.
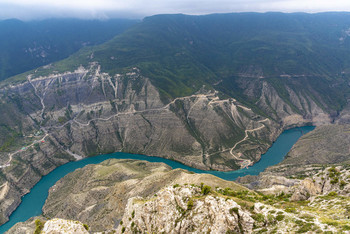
[[38, 9]]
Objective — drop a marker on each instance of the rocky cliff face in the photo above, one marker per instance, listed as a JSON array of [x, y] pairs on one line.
[[55, 118], [184, 209]]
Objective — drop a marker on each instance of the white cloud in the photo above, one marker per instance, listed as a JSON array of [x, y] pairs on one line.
[[100, 8]]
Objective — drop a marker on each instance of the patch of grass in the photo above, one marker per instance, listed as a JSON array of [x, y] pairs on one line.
[[234, 210], [260, 218], [306, 227], [291, 210], [190, 204], [280, 217]]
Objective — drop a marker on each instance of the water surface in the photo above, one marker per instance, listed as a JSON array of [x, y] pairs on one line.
[[33, 202]]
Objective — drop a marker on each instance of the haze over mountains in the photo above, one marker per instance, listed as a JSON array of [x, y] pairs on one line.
[[28, 45], [212, 92]]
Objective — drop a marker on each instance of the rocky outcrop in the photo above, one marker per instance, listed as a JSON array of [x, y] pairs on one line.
[[305, 190], [61, 226], [98, 194], [317, 180], [184, 209]]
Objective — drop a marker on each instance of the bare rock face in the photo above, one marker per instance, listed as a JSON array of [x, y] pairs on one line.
[[306, 189], [98, 194], [318, 180], [61, 226], [184, 210]]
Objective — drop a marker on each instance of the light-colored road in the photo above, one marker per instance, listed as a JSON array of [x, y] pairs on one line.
[[20, 150]]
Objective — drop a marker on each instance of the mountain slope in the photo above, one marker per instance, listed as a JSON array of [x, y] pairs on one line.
[[180, 53]]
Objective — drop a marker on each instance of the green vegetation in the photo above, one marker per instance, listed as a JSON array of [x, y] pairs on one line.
[[190, 204], [39, 225], [305, 227], [234, 210], [180, 54], [280, 217], [206, 189], [260, 218], [86, 227]]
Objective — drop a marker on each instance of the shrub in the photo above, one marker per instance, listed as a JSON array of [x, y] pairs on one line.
[[206, 189], [189, 204], [270, 218], [234, 210], [133, 214], [332, 194], [342, 183], [279, 217], [260, 218], [291, 210], [86, 227], [39, 225], [305, 228], [334, 180], [123, 229], [176, 185]]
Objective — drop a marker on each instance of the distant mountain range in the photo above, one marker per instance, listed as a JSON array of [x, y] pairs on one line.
[[28, 45]]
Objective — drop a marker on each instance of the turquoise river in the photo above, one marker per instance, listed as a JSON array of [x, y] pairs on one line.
[[33, 202]]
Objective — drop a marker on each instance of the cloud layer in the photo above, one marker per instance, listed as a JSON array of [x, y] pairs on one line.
[[30, 9]]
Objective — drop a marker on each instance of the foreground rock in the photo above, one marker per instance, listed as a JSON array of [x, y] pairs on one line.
[[61, 226], [126, 196], [184, 210], [97, 194]]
